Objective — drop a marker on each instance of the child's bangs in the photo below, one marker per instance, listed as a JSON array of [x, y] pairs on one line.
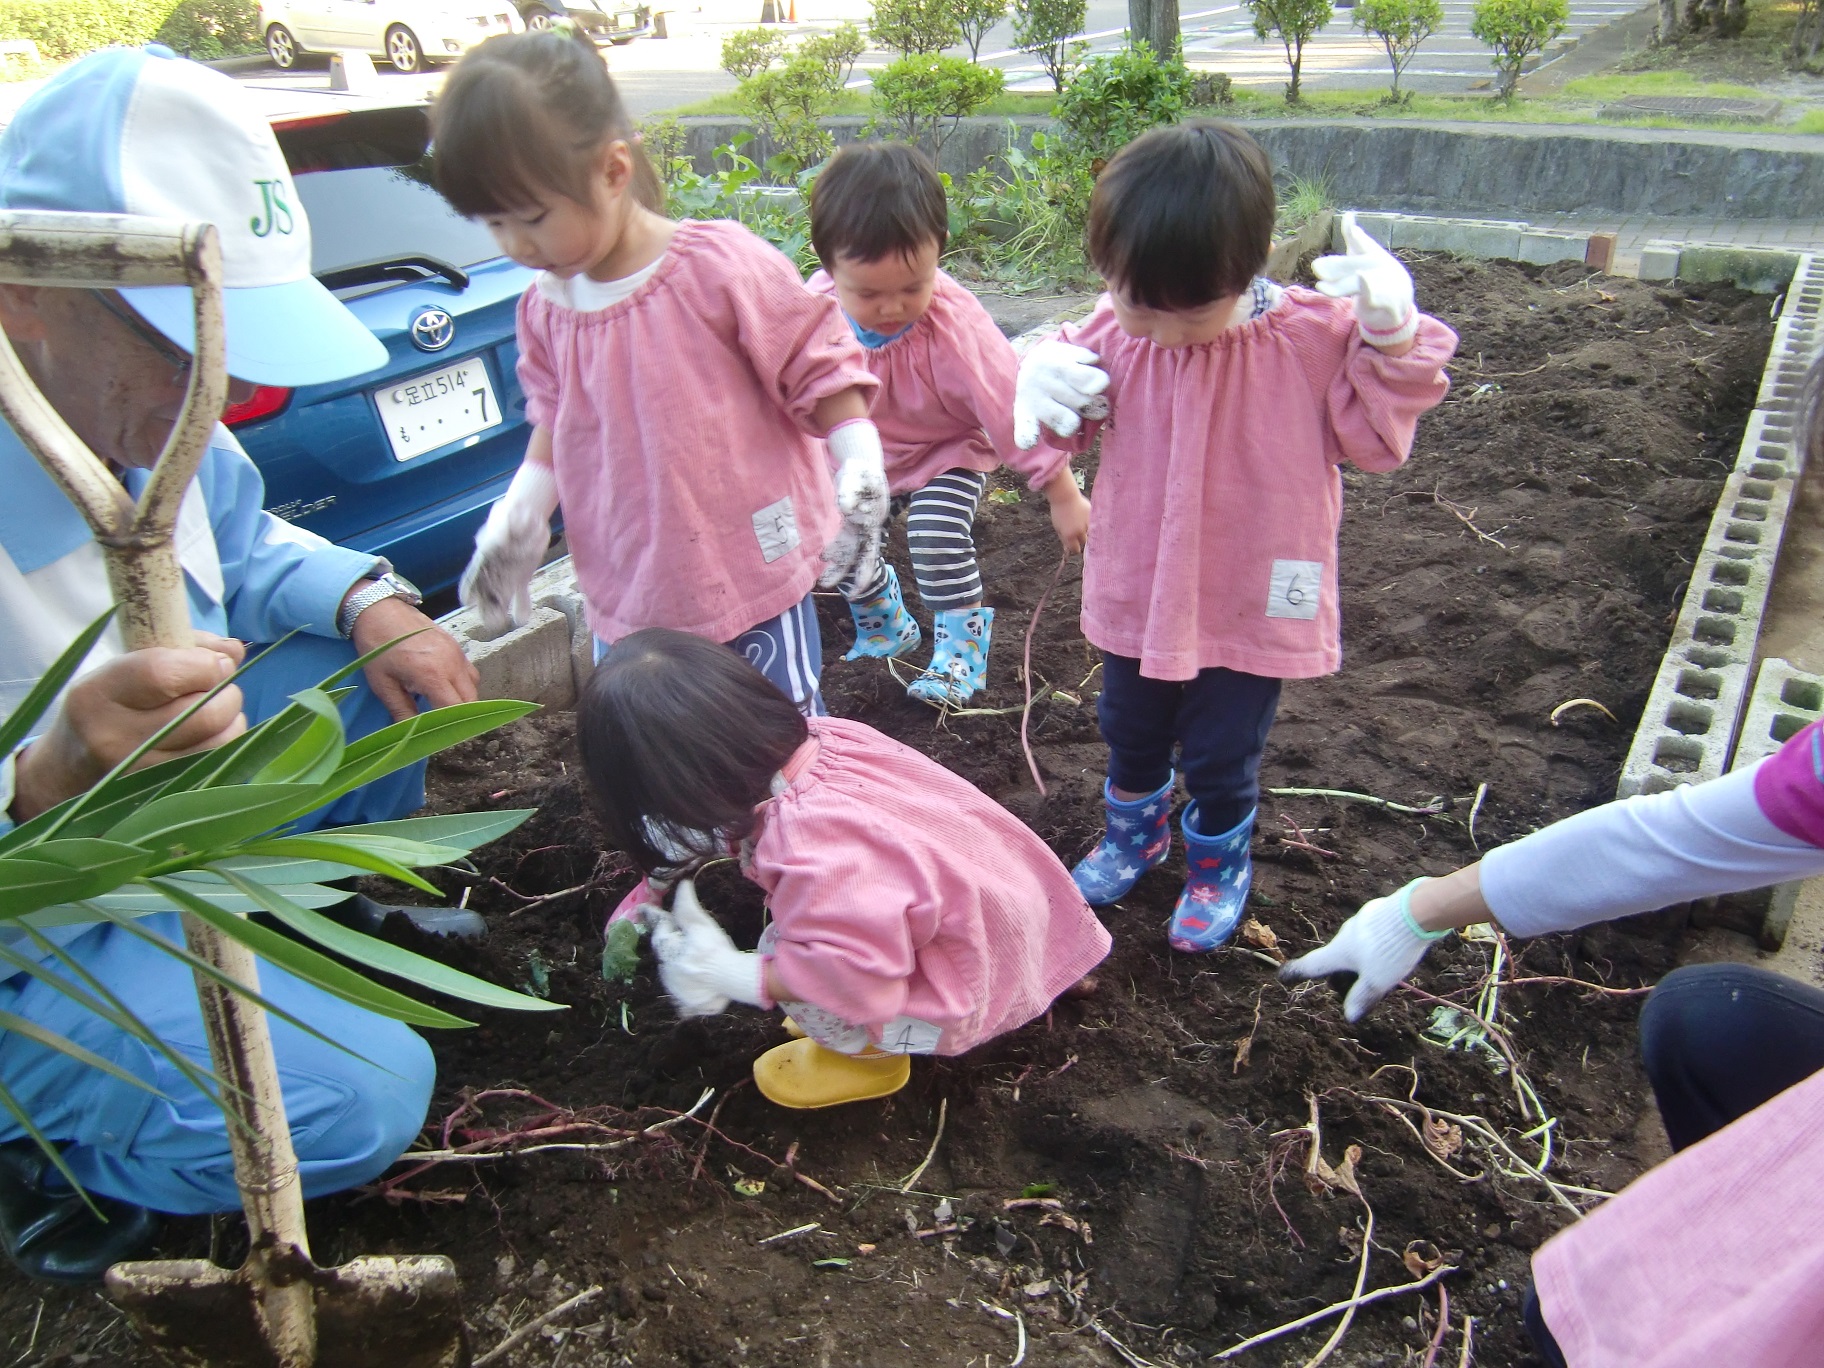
[[496, 150]]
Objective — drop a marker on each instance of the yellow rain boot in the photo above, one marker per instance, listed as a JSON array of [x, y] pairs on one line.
[[802, 1074], [792, 1028]]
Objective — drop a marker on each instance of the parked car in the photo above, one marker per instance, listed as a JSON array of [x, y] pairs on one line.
[[405, 460], [602, 20], [411, 34]]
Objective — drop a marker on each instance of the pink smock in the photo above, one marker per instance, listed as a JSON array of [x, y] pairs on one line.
[[696, 494], [1717, 1255], [946, 394], [897, 888], [1215, 510]]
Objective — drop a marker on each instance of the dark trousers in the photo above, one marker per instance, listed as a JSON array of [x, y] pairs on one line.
[[1218, 722], [1717, 1040]]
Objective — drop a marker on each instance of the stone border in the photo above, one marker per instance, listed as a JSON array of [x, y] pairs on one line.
[[1786, 699]]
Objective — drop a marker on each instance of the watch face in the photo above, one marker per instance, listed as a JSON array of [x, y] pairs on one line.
[[403, 587]]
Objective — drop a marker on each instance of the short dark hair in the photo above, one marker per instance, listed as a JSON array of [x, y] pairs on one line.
[[680, 736], [524, 116], [1183, 215], [878, 199]]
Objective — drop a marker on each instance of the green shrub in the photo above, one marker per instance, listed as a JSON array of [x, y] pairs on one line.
[[924, 97], [1048, 30], [207, 29], [734, 192], [914, 27], [1294, 23], [838, 49], [748, 52], [787, 102], [1400, 26], [1025, 228], [1516, 29], [1112, 100], [67, 29], [975, 18]]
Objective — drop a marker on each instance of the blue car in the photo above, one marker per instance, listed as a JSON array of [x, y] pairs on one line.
[[405, 460]]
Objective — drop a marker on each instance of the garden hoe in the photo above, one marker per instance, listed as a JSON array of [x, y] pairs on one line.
[[279, 1310]]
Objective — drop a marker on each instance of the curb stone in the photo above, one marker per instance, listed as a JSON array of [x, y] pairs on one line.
[[1786, 699]]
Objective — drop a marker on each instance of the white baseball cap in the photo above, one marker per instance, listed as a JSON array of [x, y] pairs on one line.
[[142, 131]]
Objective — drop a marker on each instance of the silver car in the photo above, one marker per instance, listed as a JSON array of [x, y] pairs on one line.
[[410, 34]]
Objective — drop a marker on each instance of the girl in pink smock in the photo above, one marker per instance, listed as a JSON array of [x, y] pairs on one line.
[[879, 222], [1716, 1256], [678, 378], [1225, 405], [908, 912]]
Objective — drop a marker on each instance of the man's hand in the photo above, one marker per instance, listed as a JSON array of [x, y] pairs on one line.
[[430, 664], [698, 964], [1059, 386], [111, 711], [1381, 287], [1069, 511]]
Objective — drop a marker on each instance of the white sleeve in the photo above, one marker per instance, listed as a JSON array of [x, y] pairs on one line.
[[1640, 854]]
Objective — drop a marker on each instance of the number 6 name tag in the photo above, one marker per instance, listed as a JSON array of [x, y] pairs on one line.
[[1293, 590]]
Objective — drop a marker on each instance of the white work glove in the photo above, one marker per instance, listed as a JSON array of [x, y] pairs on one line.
[[1060, 385], [1381, 945], [851, 560], [1374, 278], [698, 963], [861, 472], [509, 547]]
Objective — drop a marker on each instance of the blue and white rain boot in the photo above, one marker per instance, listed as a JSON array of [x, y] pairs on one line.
[[883, 627], [1216, 893], [959, 664], [1138, 836]]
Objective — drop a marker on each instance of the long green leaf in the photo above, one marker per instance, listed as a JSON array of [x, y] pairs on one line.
[[63, 871], [405, 743], [124, 794], [318, 969], [390, 959], [313, 757], [139, 901], [372, 861], [55, 1155], [465, 829], [22, 719], [17, 1025], [254, 749], [212, 819]]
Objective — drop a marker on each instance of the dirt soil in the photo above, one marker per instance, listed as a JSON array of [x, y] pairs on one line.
[[1118, 1172]]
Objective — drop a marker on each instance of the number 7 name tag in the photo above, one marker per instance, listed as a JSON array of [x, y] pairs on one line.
[[1293, 590]]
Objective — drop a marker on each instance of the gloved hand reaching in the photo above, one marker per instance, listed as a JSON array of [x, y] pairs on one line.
[[1060, 385], [1381, 945], [861, 472], [698, 963], [509, 547], [1374, 278]]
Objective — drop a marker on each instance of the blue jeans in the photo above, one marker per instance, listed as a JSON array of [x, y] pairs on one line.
[[350, 1118], [787, 649]]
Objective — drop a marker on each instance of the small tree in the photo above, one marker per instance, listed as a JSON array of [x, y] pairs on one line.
[[748, 52], [975, 18], [913, 27], [1155, 23], [1516, 29], [787, 103], [1048, 29], [1294, 23], [1400, 26], [925, 96], [838, 49], [1112, 100]]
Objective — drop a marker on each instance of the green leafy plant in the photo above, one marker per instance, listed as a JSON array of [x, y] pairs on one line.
[[734, 191], [1516, 30], [1399, 26], [1048, 30], [208, 835], [787, 103], [975, 18], [748, 52], [839, 49], [914, 27], [67, 29], [621, 951], [208, 29], [1111, 100], [1025, 226], [1303, 200], [1294, 23], [924, 97]]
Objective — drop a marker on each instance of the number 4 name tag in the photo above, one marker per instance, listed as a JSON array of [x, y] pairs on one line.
[[1293, 591]]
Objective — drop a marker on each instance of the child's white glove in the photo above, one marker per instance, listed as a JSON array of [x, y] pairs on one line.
[[509, 547], [1381, 945], [698, 963], [851, 559], [1060, 385], [1374, 278], [861, 472]]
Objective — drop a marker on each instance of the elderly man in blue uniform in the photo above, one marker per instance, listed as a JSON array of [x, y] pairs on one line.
[[145, 133]]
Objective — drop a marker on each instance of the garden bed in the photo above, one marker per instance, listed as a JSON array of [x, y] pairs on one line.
[[1530, 554]]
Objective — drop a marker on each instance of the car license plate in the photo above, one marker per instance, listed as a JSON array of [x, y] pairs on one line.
[[433, 410]]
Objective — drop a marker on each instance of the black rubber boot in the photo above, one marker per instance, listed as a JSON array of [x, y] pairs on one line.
[[362, 913], [50, 1232]]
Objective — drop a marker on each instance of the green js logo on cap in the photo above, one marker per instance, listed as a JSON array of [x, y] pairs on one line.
[[275, 213]]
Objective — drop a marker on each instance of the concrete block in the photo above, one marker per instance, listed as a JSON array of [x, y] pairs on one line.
[[531, 662], [1539, 247], [1770, 448], [1805, 295], [353, 72], [1659, 261], [1465, 237], [1784, 702], [1599, 251], [1377, 226], [1762, 270], [1797, 338]]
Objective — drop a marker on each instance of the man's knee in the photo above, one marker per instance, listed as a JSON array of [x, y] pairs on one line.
[[390, 1095]]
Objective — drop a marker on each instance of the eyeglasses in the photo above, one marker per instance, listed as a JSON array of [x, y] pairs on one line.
[[173, 355]]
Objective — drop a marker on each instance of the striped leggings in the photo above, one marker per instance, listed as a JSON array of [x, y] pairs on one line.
[[940, 522]]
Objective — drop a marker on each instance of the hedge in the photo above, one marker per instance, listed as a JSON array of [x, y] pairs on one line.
[[67, 29]]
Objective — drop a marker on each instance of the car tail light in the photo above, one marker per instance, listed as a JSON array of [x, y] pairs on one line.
[[265, 401]]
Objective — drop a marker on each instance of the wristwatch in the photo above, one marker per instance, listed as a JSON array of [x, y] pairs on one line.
[[388, 585]]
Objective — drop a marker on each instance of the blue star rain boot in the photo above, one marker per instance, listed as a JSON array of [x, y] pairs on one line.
[[959, 664], [1138, 836], [883, 627], [1216, 893]]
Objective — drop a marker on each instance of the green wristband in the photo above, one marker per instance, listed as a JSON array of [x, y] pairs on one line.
[[1405, 897]]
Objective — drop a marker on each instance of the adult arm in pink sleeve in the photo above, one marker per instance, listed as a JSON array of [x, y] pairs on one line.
[[1375, 401], [537, 376]]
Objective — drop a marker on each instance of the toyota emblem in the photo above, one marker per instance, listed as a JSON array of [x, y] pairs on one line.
[[433, 330]]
